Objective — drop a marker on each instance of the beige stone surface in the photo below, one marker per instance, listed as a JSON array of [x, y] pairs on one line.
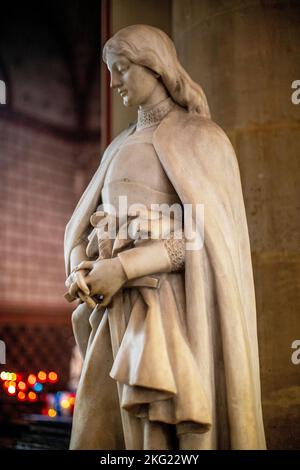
[[246, 56], [127, 12], [269, 164]]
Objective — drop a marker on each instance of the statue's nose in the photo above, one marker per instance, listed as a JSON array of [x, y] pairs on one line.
[[115, 81]]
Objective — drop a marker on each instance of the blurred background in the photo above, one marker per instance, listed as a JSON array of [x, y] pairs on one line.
[[49, 148], [59, 116]]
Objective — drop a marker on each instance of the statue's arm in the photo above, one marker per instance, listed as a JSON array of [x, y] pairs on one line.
[[78, 254], [75, 281], [152, 257], [107, 276]]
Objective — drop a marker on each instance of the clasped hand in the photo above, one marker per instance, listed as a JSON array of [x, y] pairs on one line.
[[98, 278]]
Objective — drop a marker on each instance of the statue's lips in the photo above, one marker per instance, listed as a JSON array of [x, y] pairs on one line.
[[123, 92]]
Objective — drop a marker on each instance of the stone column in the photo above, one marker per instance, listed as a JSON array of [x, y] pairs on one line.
[[246, 54]]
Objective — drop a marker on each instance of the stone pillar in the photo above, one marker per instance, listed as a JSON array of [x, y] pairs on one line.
[[246, 56]]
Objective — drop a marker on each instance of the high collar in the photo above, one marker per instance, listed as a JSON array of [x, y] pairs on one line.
[[152, 115]]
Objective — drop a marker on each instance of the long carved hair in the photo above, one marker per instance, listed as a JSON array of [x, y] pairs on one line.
[[149, 46]]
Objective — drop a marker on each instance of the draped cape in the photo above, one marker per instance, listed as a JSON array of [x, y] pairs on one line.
[[220, 316]]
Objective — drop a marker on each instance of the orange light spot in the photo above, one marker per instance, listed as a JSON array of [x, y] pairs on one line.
[[72, 400], [31, 379], [52, 377], [22, 386], [52, 413], [21, 396], [32, 396], [42, 376]]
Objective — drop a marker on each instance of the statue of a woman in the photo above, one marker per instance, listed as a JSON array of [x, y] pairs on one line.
[[167, 329]]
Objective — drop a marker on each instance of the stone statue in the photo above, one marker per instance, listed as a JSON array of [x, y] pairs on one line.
[[166, 325]]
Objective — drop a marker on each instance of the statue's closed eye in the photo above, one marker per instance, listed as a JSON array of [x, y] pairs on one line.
[[123, 69]]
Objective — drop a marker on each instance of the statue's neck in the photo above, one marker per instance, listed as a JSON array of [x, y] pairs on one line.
[[151, 115]]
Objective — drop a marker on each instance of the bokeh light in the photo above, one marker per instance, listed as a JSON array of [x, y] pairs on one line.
[[31, 379], [21, 396], [52, 413], [42, 376], [52, 377], [32, 396]]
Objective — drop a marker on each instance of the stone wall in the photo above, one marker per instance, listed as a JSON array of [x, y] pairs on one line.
[[246, 56], [49, 143], [36, 199]]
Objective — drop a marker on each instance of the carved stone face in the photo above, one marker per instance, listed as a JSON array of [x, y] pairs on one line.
[[135, 83]]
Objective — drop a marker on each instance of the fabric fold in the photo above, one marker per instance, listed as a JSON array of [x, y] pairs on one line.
[[155, 334]]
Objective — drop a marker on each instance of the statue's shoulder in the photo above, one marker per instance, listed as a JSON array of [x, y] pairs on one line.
[[124, 134], [186, 132], [192, 126], [117, 142]]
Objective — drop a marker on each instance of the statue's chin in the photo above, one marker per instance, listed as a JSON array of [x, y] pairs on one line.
[[126, 101]]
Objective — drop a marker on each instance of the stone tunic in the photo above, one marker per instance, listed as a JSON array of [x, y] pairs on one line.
[[137, 166], [184, 370], [136, 173], [154, 407]]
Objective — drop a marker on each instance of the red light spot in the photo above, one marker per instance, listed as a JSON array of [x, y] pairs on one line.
[[52, 377], [31, 379]]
